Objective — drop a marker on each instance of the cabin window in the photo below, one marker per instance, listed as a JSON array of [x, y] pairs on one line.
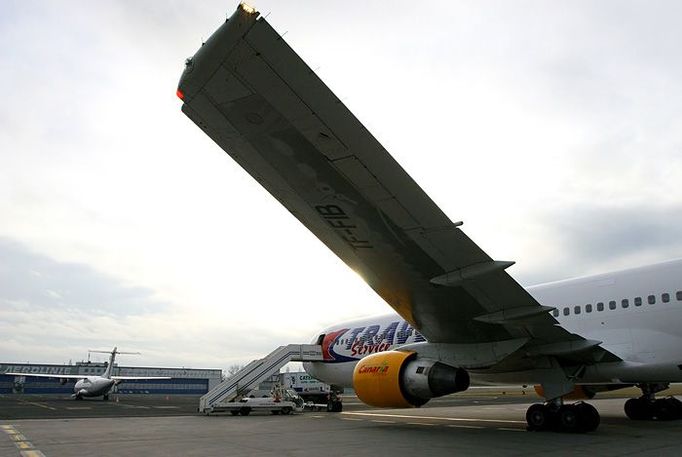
[[576, 309], [678, 295], [555, 312], [651, 299], [638, 301], [588, 308], [665, 297], [612, 304], [625, 303], [566, 311], [600, 306]]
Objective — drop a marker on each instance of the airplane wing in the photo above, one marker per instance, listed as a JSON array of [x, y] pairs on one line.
[[137, 378], [46, 375], [254, 96]]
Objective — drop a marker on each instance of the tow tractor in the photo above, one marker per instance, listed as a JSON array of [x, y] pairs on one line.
[[280, 401]]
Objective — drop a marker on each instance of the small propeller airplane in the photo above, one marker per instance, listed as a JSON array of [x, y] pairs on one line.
[[94, 386]]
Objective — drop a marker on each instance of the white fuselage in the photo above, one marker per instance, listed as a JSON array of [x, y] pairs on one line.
[[93, 386], [636, 314]]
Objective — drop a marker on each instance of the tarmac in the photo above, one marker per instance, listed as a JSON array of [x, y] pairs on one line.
[[472, 424]]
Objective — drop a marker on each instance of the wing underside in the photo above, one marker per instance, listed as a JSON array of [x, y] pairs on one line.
[[47, 375], [250, 92], [137, 378]]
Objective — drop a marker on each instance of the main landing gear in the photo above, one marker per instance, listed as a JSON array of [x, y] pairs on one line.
[[554, 415], [648, 407]]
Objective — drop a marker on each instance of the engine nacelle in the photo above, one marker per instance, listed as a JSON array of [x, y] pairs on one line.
[[400, 379]]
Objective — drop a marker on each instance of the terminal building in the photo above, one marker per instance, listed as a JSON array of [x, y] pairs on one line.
[[189, 381]]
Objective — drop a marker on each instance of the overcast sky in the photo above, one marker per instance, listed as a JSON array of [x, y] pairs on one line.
[[553, 129]]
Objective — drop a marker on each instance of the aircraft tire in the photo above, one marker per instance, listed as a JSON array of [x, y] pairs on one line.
[[664, 409], [569, 418], [245, 411], [537, 417], [637, 409], [677, 406], [589, 417]]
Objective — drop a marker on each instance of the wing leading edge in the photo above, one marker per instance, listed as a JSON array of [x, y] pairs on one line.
[[250, 92]]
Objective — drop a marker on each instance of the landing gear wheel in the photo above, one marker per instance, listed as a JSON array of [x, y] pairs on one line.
[[569, 419], [286, 410], [589, 417], [105, 398], [664, 410], [275, 412], [538, 417], [676, 406], [234, 412], [637, 409], [245, 411], [577, 418]]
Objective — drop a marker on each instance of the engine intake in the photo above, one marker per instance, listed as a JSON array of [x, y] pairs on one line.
[[400, 379]]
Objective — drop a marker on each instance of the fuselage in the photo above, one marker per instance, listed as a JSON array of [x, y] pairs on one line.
[[635, 313], [93, 386]]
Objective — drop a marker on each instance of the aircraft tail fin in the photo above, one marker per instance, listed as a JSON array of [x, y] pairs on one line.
[[112, 356]]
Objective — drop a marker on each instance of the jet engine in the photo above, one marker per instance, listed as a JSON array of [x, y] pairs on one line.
[[400, 379]]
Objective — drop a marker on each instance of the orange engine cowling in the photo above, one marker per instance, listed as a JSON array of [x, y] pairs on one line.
[[400, 379]]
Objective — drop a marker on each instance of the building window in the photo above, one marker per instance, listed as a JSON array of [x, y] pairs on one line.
[[555, 312], [612, 304], [625, 303], [638, 301], [665, 297], [576, 309], [651, 299], [588, 308], [600, 306], [566, 311]]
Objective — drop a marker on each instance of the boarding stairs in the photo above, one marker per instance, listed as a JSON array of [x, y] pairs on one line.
[[249, 377]]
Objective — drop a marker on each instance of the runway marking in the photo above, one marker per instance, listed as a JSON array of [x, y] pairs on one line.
[[477, 427], [455, 419], [38, 404], [317, 417], [383, 422], [126, 405], [351, 419], [32, 453], [26, 448], [420, 423], [511, 429]]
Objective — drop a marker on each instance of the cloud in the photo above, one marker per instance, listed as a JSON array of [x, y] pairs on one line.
[[37, 282], [553, 130], [54, 311]]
